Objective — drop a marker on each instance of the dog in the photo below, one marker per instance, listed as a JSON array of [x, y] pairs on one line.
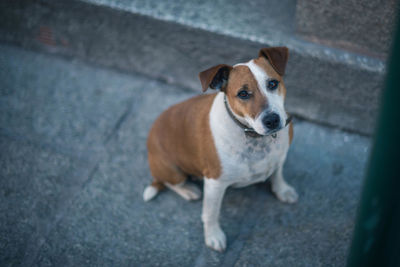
[[235, 137]]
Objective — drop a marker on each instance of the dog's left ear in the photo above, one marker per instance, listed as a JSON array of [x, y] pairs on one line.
[[215, 77], [277, 56]]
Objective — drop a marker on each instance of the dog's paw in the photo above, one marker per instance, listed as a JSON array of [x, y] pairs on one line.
[[191, 192], [286, 194], [215, 238], [149, 193], [187, 191]]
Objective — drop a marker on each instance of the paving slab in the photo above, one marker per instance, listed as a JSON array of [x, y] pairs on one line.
[[60, 102], [36, 184], [58, 209]]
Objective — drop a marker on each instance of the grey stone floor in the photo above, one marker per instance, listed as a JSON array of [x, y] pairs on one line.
[[73, 167]]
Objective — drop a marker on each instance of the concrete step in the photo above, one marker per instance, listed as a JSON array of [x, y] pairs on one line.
[[73, 167], [174, 40]]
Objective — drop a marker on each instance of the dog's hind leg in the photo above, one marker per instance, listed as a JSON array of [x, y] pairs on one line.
[[185, 190], [166, 173], [152, 190]]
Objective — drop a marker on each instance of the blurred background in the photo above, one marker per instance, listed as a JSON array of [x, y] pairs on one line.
[[81, 82]]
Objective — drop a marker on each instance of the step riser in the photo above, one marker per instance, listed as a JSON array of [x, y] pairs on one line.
[[328, 92]]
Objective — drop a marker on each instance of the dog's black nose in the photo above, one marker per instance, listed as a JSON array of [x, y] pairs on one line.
[[271, 120]]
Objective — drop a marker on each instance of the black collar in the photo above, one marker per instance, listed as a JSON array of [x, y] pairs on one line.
[[248, 131]]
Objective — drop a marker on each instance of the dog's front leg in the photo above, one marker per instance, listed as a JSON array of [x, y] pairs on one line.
[[280, 187], [213, 193]]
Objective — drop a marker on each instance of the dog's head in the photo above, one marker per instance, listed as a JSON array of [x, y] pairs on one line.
[[255, 90]]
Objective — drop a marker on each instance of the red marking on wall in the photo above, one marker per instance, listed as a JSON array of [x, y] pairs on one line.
[[64, 42], [46, 36]]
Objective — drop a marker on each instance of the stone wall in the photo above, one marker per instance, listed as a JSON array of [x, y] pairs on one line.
[[361, 26]]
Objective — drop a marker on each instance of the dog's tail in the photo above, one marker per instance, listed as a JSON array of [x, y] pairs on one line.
[[152, 190]]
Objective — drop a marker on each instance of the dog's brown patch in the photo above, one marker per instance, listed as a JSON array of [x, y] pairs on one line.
[[242, 78], [277, 57], [215, 77], [183, 129]]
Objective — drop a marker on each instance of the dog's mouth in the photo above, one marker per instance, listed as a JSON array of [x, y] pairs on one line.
[[253, 133]]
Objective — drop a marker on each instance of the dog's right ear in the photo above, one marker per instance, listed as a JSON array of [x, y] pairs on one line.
[[215, 77]]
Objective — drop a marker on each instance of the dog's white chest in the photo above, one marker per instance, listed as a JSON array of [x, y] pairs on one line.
[[245, 160], [252, 160]]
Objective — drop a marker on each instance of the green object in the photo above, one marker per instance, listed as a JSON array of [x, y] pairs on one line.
[[376, 240]]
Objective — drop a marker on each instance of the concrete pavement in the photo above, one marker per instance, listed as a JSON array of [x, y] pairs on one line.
[[73, 166]]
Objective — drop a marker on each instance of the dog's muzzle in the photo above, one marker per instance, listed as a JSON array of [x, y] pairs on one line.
[[272, 120]]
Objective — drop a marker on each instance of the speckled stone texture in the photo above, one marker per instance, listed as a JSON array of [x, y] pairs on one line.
[[73, 167], [361, 26]]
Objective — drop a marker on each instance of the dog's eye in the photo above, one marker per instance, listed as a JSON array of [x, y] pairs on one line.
[[243, 94], [272, 84]]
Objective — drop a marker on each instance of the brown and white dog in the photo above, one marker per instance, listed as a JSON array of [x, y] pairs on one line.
[[236, 137]]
